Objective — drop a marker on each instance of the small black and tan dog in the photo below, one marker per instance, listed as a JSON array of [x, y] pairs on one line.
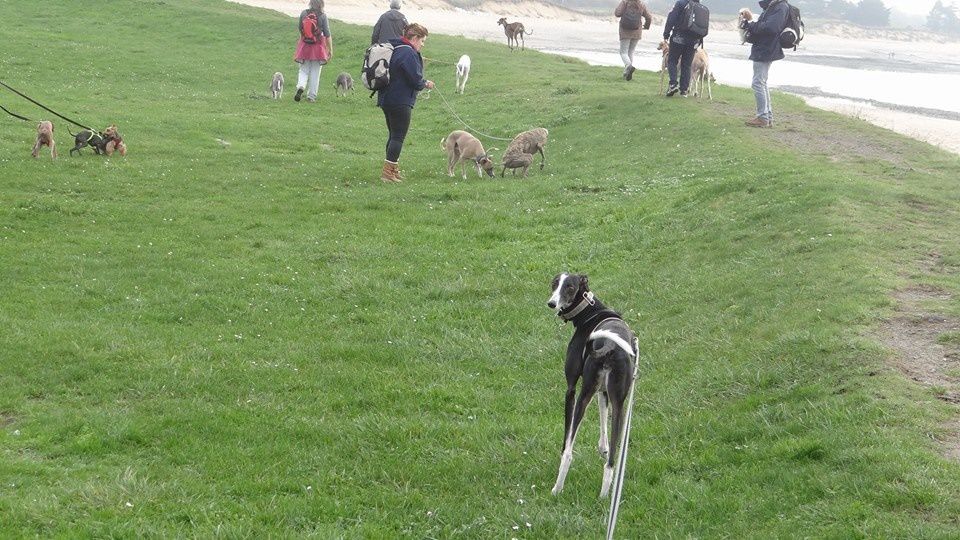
[[603, 351], [102, 143]]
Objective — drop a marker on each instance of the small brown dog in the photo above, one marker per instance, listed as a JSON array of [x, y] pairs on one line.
[[743, 16], [462, 147], [45, 138], [113, 141]]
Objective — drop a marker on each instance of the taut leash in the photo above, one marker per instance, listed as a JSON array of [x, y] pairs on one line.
[[42, 106]]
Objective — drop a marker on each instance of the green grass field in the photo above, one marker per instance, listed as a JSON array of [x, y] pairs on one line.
[[260, 339]]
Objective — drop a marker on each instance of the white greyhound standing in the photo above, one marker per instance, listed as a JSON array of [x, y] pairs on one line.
[[463, 72]]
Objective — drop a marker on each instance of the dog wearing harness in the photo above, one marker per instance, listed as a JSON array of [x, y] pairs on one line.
[[603, 352]]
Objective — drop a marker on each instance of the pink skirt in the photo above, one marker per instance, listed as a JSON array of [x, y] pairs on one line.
[[311, 51]]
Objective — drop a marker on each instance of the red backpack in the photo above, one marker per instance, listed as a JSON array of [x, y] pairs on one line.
[[310, 28]]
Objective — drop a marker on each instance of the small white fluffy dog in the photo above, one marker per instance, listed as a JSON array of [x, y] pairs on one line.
[[276, 86], [742, 16], [463, 72]]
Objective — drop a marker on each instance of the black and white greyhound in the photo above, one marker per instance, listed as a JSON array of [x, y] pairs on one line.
[[603, 350]]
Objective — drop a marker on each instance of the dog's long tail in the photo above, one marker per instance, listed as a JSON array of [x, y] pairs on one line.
[[615, 338]]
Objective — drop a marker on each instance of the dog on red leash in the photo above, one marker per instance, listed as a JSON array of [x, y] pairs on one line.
[[45, 138]]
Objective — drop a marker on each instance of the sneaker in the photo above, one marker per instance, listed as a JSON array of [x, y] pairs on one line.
[[298, 95], [311, 100], [684, 94], [672, 89], [629, 73], [759, 123]]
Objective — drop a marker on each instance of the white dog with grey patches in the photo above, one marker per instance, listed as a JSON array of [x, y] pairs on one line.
[[463, 73]]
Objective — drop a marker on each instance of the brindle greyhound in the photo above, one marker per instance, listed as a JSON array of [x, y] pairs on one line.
[[603, 351], [513, 31]]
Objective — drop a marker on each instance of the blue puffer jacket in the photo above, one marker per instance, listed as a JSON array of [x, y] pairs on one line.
[[673, 22], [766, 31], [406, 77]]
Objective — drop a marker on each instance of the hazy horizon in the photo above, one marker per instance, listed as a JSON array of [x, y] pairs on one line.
[[915, 7]]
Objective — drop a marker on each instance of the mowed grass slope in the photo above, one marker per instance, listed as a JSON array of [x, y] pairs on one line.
[[260, 338]]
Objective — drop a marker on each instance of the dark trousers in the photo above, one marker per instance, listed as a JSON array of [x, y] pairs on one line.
[[398, 122], [684, 53]]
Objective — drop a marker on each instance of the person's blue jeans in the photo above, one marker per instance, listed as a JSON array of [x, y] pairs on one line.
[[761, 91]]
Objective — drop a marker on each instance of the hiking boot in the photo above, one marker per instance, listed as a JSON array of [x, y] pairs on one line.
[[298, 95], [672, 89], [628, 75], [389, 173], [759, 123]]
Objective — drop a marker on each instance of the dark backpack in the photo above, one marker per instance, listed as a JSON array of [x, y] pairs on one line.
[[630, 20], [695, 19], [792, 34], [310, 28], [375, 72]]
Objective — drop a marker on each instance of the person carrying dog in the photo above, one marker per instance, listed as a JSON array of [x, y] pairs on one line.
[[683, 44], [632, 13], [390, 25], [764, 34], [314, 49], [398, 98]]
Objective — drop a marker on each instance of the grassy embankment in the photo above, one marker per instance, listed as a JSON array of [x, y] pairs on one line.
[[260, 338]]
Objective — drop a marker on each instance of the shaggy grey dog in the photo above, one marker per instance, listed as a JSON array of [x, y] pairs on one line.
[[344, 84]]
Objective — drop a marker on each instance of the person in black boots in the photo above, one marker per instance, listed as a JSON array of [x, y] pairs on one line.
[[398, 98], [683, 43]]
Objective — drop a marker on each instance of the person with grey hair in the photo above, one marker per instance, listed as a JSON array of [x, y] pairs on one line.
[[390, 25]]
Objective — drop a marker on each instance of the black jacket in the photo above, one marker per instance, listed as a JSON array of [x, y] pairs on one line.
[[389, 26], [765, 31], [672, 25]]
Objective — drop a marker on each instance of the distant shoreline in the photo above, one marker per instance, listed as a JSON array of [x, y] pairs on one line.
[[553, 25]]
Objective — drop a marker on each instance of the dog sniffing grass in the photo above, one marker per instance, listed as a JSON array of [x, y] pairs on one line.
[[262, 340]]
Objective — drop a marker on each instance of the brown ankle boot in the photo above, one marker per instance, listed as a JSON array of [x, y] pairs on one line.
[[389, 173]]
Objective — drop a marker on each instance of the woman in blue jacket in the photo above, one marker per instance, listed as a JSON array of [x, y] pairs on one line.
[[764, 33], [398, 98]]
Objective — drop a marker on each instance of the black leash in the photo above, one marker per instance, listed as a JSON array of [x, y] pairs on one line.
[[15, 115], [38, 104]]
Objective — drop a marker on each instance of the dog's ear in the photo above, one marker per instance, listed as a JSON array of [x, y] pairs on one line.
[[584, 282]]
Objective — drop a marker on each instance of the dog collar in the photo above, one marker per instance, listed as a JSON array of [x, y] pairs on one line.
[[587, 301]]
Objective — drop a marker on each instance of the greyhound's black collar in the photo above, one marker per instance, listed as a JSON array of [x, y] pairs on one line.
[[586, 301]]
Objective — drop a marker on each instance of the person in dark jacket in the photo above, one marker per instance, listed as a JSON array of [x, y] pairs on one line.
[[764, 34], [683, 44], [399, 97], [390, 25]]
